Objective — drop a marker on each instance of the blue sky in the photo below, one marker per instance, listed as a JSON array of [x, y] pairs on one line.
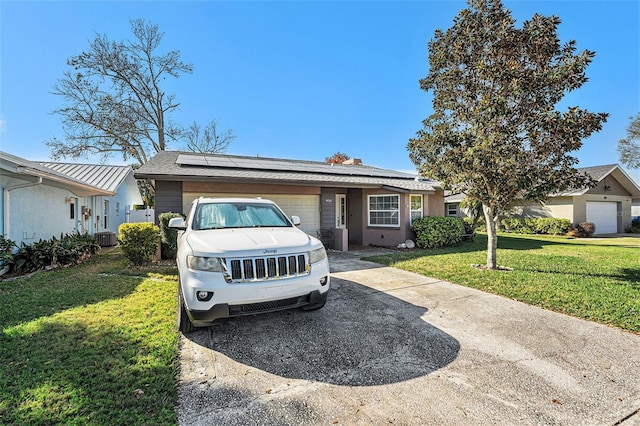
[[300, 79]]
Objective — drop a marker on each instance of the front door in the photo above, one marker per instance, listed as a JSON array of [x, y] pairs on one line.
[[341, 211]]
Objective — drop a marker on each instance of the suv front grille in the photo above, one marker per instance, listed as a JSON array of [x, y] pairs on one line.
[[266, 268]]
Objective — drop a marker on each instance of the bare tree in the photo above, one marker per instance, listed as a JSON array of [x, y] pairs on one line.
[[337, 158], [114, 98], [208, 140], [629, 147]]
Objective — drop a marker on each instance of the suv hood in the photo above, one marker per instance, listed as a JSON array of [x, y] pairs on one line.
[[248, 241]]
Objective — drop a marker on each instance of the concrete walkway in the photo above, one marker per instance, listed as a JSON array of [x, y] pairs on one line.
[[393, 347]]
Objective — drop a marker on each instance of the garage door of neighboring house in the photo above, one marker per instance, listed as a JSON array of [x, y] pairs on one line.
[[307, 207], [604, 215]]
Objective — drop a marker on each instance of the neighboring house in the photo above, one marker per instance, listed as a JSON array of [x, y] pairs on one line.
[[42, 200], [360, 205], [608, 205], [452, 205]]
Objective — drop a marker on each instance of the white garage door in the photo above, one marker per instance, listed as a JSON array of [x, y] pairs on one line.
[[604, 215], [307, 207]]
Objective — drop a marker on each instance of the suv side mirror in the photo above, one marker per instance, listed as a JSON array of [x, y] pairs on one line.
[[295, 220], [177, 223]]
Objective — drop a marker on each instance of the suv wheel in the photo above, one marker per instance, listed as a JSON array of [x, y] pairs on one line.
[[184, 323]]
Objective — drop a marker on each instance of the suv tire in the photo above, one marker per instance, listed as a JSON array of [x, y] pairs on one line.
[[184, 323]]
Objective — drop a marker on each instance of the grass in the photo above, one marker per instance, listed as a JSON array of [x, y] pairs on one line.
[[93, 344], [594, 279]]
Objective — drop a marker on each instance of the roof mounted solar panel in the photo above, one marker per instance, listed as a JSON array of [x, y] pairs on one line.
[[280, 165], [191, 160]]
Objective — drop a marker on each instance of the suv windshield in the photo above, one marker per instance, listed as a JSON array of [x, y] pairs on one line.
[[238, 215]]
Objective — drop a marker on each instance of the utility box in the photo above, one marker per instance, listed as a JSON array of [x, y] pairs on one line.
[[106, 239]]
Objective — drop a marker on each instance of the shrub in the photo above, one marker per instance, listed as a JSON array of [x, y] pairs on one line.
[[583, 230], [139, 241], [6, 251], [467, 224], [434, 232], [634, 228], [68, 249], [586, 229], [168, 236]]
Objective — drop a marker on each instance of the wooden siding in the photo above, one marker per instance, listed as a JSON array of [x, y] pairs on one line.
[[168, 197], [328, 208]]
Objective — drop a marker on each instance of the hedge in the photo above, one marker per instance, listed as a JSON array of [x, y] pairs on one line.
[[168, 236], [432, 232], [544, 225]]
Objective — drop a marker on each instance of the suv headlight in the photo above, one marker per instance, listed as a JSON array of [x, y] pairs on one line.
[[211, 264], [317, 255]]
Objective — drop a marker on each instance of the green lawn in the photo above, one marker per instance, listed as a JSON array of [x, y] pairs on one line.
[[594, 279], [94, 344]]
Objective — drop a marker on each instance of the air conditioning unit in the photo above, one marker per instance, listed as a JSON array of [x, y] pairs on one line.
[[106, 239]]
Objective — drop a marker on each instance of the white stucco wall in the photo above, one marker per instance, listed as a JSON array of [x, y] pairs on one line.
[[38, 212], [42, 211]]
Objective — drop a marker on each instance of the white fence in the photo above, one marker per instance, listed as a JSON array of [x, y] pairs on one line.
[[134, 216]]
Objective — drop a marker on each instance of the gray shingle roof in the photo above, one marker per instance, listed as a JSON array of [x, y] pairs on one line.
[[101, 176], [169, 165], [598, 173]]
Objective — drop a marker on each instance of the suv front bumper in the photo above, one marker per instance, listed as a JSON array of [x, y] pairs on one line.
[[313, 300]]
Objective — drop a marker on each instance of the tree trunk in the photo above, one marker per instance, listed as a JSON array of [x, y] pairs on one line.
[[490, 218]]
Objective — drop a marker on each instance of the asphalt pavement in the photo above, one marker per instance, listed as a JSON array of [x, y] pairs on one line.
[[393, 347]]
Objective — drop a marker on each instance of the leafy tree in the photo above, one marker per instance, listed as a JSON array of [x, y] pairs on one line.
[[629, 147], [495, 133], [115, 101], [337, 158], [208, 140]]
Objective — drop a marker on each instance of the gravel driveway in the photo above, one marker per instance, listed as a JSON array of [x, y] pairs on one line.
[[392, 347]]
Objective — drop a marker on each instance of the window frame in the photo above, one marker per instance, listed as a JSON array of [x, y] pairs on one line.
[[411, 209], [397, 211], [457, 209]]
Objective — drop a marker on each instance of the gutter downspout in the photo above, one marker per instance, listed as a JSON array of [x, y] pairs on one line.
[[7, 203]]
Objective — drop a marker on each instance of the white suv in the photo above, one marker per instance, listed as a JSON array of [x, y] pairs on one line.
[[242, 256]]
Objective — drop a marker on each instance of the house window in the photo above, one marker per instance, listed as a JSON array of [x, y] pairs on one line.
[[72, 211], [384, 210], [452, 209], [416, 207]]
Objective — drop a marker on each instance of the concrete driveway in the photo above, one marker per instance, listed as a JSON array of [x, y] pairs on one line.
[[393, 347]]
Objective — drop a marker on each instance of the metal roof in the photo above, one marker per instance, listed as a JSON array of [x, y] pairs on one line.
[[101, 176], [18, 167], [172, 165]]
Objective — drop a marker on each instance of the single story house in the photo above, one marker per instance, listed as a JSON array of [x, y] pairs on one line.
[[607, 205], [42, 199], [359, 205]]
